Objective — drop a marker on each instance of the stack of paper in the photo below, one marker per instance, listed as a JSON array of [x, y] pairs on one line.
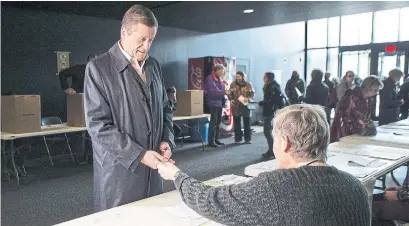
[[359, 172], [381, 154], [365, 162]]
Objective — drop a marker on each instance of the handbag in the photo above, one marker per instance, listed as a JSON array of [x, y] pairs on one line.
[[368, 130]]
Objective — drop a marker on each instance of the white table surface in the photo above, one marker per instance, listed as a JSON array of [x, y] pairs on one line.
[[178, 118], [340, 154], [385, 137], [150, 211], [45, 130]]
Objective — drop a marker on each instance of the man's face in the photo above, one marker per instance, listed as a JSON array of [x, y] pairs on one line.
[[137, 40], [219, 73]]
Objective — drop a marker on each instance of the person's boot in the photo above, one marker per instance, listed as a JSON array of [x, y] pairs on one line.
[[219, 143], [212, 144], [268, 154]]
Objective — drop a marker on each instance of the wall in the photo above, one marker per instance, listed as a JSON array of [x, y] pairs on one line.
[[30, 37]]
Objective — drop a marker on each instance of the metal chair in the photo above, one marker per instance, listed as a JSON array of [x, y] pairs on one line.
[[47, 121]]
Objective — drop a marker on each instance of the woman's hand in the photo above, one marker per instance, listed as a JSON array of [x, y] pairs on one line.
[[167, 170]]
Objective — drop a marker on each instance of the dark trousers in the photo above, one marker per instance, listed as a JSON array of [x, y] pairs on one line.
[[267, 131], [215, 120], [383, 211], [176, 130], [328, 112], [238, 135], [404, 110]]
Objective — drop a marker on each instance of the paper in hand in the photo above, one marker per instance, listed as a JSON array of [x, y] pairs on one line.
[[243, 100]]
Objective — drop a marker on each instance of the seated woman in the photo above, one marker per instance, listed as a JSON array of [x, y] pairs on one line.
[[304, 190], [393, 204], [353, 112], [171, 92]]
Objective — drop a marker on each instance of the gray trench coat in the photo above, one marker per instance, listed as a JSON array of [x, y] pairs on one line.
[[125, 117]]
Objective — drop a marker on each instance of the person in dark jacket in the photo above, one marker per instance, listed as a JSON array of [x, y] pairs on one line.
[[317, 91], [303, 190], [171, 92], [128, 115], [330, 84], [240, 88], [389, 107], [270, 103], [76, 73], [294, 83], [215, 92], [404, 95]]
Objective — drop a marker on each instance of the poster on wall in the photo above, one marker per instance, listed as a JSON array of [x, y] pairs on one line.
[[63, 61]]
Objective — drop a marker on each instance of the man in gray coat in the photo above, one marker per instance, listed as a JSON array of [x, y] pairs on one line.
[[128, 115]]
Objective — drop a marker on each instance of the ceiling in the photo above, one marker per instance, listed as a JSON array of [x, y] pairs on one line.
[[216, 16]]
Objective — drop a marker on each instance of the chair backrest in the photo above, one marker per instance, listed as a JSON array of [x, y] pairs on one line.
[[46, 121]]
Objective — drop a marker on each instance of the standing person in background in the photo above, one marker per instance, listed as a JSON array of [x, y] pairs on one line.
[[404, 94], [390, 102], [357, 81], [295, 82], [240, 88], [270, 103], [317, 91], [171, 92], [353, 112], [128, 115], [76, 73], [215, 91], [346, 83], [330, 86]]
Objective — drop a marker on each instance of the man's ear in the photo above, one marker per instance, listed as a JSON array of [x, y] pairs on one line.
[[286, 145]]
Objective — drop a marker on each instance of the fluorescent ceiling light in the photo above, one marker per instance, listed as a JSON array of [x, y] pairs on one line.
[[248, 10]]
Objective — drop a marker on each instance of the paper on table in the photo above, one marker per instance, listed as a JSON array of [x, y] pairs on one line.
[[381, 154], [243, 100], [211, 223], [182, 210]]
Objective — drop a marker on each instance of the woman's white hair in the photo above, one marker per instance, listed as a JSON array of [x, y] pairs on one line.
[[306, 128]]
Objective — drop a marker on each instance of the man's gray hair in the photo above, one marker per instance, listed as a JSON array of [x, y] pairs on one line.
[[306, 128], [139, 14], [218, 67]]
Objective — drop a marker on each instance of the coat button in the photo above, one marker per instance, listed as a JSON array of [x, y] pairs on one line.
[[148, 132], [144, 98]]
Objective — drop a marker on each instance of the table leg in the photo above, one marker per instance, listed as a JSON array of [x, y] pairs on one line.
[[4, 165], [13, 152], [198, 132]]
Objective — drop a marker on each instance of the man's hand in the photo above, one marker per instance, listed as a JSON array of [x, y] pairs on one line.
[[392, 188], [167, 170], [391, 195], [165, 150], [227, 92], [70, 91], [152, 159]]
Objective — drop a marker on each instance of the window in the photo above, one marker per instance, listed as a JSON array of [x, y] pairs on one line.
[[317, 33], [316, 59], [356, 29], [333, 62], [404, 24], [386, 26], [333, 31], [356, 61]]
